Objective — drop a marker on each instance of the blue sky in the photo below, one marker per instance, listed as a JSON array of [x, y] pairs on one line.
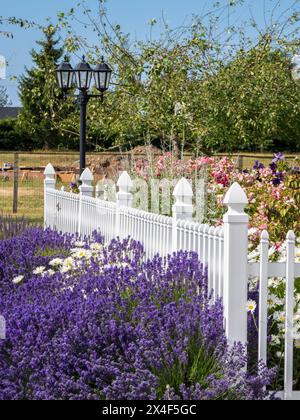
[[133, 15]]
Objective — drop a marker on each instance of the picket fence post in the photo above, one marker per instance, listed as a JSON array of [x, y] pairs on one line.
[[86, 189], [236, 265], [183, 208], [124, 198], [49, 184]]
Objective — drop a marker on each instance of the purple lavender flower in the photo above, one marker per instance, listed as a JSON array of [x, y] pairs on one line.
[[123, 329]]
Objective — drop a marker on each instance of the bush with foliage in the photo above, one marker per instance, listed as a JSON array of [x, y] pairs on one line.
[[12, 138]]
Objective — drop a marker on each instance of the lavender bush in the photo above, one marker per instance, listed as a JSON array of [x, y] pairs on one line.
[[10, 226], [93, 321]]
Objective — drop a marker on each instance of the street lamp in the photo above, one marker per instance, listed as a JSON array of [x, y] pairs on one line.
[[296, 68], [65, 76], [102, 75], [82, 77]]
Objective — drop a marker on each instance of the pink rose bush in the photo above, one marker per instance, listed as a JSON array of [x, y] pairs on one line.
[[273, 191]]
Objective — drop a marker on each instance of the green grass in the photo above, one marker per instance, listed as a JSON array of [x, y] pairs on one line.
[[30, 199]]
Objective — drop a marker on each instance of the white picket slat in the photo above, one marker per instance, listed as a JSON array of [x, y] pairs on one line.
[[289, 324], [263, 298]]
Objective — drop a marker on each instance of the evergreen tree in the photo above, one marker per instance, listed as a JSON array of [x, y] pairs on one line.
[[4, 99], [43, 109]]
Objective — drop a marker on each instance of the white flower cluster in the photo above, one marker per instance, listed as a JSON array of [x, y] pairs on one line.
[[80, 257]]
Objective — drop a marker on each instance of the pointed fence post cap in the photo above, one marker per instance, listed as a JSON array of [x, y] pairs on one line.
[[236, 195], [87, 176], [291, 236], [125, 180], [49, 170], [183, 189], [265, 236]]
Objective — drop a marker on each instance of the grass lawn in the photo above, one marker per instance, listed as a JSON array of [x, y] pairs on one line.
[[30, 199]]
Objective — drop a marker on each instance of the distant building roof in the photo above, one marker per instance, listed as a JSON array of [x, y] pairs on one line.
[[9, 112]]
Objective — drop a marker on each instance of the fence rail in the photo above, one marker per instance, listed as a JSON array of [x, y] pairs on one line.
[[223, 250]]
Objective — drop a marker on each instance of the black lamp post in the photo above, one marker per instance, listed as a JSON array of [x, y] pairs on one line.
[[82, 76]]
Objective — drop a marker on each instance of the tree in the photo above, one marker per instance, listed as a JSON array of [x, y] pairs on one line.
[[4, 99], [43, 110], [253, 101], [207, 87], [13, 20]]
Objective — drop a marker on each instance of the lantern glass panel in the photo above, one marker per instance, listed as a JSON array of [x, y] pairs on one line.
[[102, 75], [108, 79], [83, 75], [103, 80], [64, 74]]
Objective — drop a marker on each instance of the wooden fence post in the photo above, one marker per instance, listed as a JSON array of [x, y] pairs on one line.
[[183, 208], [16, 183], [236, 265], [49, 184], [240, 162], [124, 197]]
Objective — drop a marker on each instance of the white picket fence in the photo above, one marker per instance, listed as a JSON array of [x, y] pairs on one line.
[[223, 250], [289, 270]]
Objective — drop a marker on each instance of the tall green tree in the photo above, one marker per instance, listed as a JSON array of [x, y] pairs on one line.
[[4, 99], [43, 110]]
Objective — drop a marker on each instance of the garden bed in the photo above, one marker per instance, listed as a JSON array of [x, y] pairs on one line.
[[93, 321]]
